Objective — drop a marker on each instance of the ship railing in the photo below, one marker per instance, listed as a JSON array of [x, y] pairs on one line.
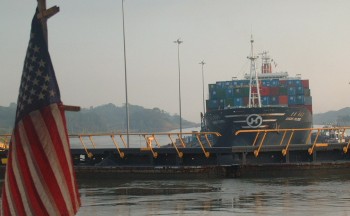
[[260, 137], [151, 141]]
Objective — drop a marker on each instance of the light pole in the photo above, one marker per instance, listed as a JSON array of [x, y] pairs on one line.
[[178, 42], [126, 83], [203, 63]]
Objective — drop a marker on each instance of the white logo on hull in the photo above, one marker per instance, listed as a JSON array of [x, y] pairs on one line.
[[254, 121]]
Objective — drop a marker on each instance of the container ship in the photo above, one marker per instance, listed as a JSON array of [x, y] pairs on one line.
[[261, 100]]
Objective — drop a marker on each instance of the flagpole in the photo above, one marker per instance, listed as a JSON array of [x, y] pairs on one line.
[[44, 15], [42, 8]]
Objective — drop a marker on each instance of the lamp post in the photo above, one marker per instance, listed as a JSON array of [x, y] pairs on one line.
[[178, 42], [203, 63], [126, 83]]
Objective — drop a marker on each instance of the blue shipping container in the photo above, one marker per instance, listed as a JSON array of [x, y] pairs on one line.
[[265, 100], [300, 99], [291, 90], [220, 84], [266, 83], [291, 100], [274, 100], [242, 82], [238, 101], [234, 83], [237, 92], [298, 83], [229, 102], [299, 90], [212, 104], [275, 83], [229, 93], [212, 94], [212, 86], [221, 103]]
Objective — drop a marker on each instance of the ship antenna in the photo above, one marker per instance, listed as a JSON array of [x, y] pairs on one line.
[[253, 81]]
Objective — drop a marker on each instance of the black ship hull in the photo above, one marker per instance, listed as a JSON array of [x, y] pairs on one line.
[[228, 121]]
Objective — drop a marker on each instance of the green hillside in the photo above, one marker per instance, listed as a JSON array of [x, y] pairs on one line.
[[340, 117], [108, 118]]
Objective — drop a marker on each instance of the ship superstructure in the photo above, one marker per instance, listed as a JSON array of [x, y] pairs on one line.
[[265, 100]]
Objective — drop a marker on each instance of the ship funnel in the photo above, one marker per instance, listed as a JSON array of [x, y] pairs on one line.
[[266, 63]]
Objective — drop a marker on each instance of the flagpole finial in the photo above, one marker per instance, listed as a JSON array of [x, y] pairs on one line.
[[46, 14]]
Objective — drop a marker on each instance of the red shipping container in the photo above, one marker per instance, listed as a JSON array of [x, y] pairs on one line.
[[305, 84], [254, 90], [283, 99], [245, 101], [283, 82], [265, 91], [274, 91]]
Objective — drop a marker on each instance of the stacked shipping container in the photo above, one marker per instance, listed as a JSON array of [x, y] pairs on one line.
[[274, 92]]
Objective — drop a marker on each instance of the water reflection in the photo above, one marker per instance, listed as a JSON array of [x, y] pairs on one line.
[[268, 196], [151, 197], [291, 196]]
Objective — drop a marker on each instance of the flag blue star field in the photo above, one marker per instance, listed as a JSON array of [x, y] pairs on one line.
[[39, 178]]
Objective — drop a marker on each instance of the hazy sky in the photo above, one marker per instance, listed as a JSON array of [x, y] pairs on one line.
[[308, 37]]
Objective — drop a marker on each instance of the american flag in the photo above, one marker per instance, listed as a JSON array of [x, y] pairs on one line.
[[39, 178]]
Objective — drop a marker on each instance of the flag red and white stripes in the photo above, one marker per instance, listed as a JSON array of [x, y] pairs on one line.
[[40, 178]]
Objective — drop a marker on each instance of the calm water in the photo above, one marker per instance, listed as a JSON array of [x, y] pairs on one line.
[[276, 196]]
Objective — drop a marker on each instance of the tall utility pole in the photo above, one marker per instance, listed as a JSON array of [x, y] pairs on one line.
[[178, 42], [203, 63], [126, 82]]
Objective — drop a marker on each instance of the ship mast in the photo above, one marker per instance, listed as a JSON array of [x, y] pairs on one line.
[[253, 81]]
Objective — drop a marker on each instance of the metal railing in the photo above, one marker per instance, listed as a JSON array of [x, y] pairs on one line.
[[339, 130], [151, 138], [148, 137]]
